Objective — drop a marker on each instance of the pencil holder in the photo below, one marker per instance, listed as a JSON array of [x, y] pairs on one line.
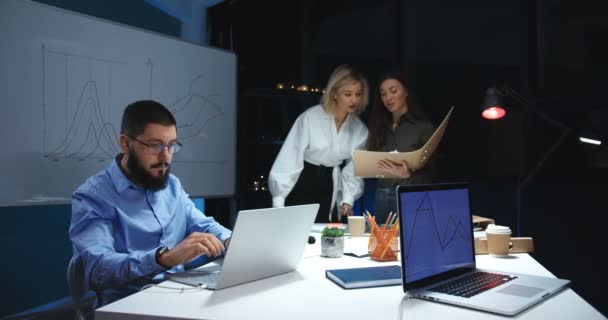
[[383, 244]]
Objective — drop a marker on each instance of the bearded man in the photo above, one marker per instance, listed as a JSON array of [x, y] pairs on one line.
[[133, 221]]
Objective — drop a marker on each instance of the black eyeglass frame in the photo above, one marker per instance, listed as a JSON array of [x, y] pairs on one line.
[[157, 148]]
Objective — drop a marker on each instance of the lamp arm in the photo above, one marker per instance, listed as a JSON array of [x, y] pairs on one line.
[[540, 163], [508, 91], [551, 120]]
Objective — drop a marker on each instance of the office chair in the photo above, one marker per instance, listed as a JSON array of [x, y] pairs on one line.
[[78, 289]]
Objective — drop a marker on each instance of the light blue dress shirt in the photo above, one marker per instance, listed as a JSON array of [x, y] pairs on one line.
[[117, 227]]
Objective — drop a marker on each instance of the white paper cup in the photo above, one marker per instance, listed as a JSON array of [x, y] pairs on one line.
[[499, 240], [356, 226]]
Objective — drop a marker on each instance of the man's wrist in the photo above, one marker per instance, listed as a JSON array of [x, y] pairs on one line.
[[161, 257]]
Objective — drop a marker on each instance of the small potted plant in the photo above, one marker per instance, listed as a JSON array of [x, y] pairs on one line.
[[332, 242]]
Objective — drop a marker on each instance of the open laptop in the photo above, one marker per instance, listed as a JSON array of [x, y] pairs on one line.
[[438, 255], [265, 243]]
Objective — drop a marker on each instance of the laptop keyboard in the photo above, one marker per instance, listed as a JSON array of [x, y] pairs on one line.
[[472, 284]]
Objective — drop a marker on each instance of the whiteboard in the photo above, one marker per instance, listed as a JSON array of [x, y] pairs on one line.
[[65, 80]]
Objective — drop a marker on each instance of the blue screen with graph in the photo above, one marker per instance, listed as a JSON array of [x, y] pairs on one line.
[[437, 235]]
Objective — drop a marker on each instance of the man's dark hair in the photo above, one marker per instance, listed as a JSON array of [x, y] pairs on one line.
[[141, 113]]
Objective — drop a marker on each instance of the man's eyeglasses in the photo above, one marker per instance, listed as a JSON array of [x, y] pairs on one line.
[[157, 148]]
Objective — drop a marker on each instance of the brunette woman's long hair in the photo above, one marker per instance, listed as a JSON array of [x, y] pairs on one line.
[[380, 119]]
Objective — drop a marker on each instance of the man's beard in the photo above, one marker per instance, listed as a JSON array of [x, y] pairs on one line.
[[143, 178]]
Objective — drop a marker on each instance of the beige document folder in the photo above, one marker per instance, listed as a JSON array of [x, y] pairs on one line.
[[366, 162]]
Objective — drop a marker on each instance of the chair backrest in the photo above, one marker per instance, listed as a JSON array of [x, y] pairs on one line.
[[77, 286]]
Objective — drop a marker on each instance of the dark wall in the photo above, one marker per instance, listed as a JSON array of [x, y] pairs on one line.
[[36, 254], [134, 13]]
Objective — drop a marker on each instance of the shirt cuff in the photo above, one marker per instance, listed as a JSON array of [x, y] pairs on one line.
[[347, 199], [224, 235], [278, 202], [149, 259]]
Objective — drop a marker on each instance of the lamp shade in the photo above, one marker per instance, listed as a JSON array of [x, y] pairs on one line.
[[492, 107]]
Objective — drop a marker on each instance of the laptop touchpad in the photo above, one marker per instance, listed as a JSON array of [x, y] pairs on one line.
[[521, 291]]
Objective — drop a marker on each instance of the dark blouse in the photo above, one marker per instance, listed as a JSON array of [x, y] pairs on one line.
[[410, 134]]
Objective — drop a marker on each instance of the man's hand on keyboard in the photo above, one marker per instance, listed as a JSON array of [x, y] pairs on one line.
[[195, 245]]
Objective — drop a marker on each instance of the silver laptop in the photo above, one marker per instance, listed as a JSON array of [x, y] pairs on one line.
[[438, 255], [265, 243]]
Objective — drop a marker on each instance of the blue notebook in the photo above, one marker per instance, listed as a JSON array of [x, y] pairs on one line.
[[365, 277]]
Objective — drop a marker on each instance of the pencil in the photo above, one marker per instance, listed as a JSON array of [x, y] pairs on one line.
[[388, 219], [372, 228], [373, 220], [393, 220], [392, 234]]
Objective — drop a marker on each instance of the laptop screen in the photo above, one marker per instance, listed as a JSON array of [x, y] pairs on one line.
[[437, 235]]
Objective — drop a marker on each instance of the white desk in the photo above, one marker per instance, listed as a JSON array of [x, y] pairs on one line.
[[307, 294]]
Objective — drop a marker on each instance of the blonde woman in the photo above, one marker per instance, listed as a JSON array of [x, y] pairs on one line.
[[315, 161]]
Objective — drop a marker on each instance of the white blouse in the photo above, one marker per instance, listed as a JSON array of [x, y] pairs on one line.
[[314, 138]]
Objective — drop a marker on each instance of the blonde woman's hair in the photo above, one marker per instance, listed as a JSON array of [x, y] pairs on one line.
[[344, 75]]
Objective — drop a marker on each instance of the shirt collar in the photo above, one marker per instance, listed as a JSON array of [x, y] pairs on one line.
[[408, 117], [349, 116], [120, 180]]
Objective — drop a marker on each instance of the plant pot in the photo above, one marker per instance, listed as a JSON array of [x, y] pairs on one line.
[[332, 247]]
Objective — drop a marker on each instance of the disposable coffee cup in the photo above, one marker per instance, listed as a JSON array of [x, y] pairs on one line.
[[356, 226], [499, 240]]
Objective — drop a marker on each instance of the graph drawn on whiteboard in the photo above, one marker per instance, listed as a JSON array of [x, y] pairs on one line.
[[77, 91], [194, 113], [67, 78], [83, 99]]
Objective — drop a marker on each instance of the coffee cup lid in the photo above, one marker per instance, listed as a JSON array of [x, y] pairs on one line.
[[497, 229]]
